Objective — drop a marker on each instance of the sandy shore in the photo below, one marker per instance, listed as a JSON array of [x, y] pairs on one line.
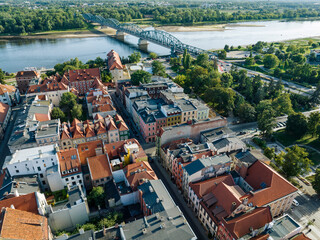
[[65, 34]]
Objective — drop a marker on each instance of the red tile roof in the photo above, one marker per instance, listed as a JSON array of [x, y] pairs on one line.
[[99, 167], [47, 85], [114, 60], [204, 187], [240, 226], [26, 202], [17, 224], [137, 173], [65, 134], [100, 128], [88, 149], [69, 160], [4, 108], [83, 74], [41, 117], [268, 185], [112, 126], [103, 108], [300, 236], [6, 89], [98, 117], [27, 74], [89, 132]]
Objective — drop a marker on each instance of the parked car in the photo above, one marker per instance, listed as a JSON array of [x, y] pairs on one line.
[[295, 202]]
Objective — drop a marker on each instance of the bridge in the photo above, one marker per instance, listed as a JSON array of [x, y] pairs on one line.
[[159, 37]]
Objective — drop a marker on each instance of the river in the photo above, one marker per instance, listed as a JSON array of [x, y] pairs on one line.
[[15, 55]]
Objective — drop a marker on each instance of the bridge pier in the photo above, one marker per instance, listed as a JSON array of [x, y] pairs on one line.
[[120, 35], [143, 45]]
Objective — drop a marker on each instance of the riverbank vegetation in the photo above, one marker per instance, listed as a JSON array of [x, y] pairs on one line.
[[40, 16]]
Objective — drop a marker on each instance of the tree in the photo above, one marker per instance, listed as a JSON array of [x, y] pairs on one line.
[[203, 60], [297, 125], [57, 113], [140, 76], [68, 104], [153, 55], [158, 68], [222, 54], [226, 48], [282, 104], [135, 57], [313, 122], [316, 182], [266, 122], [295, 161], [226, 80], [270, 61], [221, 99], [315, 97], [1, 77], [97, 197], [246, 112], [269, 152], [180, 80], [249, 61]]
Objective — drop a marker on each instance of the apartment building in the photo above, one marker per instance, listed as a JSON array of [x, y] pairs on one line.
[[26, 78], [9, 95]]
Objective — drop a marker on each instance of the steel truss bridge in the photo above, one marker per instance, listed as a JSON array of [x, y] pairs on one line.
[[159, 37]]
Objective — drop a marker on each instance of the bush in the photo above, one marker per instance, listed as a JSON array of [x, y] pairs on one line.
[[260, 142]]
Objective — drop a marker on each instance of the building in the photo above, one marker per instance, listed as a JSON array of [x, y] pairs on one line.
[[17, 224], [285, 227], [190, 130], [154, 198], [99, 169], [170, 224], [25, 79], [265, 187], [249, 157], [67, 215], [82, 79], [33, 161], [204, 168], [197, 190], [48, 132], [249, 225], [25, 127], [32, 202], [213, 135], [5, 114], [115, 66], [172, 113], [9, 95], [228, 145], [129, 151], [51, 87], [70, 167]]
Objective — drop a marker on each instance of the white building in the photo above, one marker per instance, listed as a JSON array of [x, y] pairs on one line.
[[9, 94], [33, 161]]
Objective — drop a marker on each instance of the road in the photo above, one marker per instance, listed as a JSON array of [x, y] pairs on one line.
[[4, 150], [177, 197], [292, 87]]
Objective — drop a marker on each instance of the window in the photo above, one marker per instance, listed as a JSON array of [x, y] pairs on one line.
[[73, 183], [17, 171], [15, 166], [44, 182], [80, 181], [39, 168], [41, 175], [78, 176], [72, 178], [67, 179]]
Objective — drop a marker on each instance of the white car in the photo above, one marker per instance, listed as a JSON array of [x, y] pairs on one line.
[[295, 202]]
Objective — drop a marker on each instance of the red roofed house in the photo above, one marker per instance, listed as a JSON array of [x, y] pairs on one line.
[[81, 79], [33, 202], [5, 114], [246, 226], [51, 87], [99, 169], [115, 66], [24, 78], [266, 187], [70, 167], [17, 224]]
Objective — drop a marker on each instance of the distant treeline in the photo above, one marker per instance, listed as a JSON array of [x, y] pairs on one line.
[[19, 19]]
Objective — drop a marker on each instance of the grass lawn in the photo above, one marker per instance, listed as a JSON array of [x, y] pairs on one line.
[[308, 140]]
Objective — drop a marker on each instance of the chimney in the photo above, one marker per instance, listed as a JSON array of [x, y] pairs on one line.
[[144, 231], [12, 207]]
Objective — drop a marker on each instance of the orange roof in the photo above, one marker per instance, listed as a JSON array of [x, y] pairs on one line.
[[112, 126], [88, 149], [114, 149], [83, 74], [98, 117], [202, 188], [69, 160], [99, 167], [77, 133], [268, 185], [75, 122], [97, 84], [100, 128], [6, 89], [122, 126], [4, 108], [89, 132], [41, 117], [27, 74], [103, 108], [65, 134], [26, 202], [47, 85], [17, 224], [137, 173], [114, 60], [240, 226]]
